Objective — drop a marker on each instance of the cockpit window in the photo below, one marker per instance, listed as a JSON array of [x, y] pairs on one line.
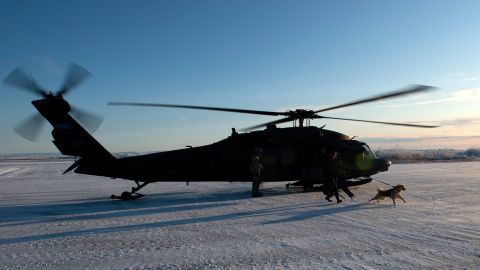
[[368, 151], [365, 159]]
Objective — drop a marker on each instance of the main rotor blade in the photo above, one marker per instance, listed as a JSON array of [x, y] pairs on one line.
[[279, 121], [19, 78], [89, 120], [31, 127], [411, 90], [75, 76], [196, 108], [377, 122]]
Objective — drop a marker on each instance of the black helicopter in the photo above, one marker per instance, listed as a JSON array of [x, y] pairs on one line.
[[294, 153]]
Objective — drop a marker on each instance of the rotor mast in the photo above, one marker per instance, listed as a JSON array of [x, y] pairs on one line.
[[301, 116]]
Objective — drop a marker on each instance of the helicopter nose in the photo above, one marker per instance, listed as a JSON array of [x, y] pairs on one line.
[[383, 164]]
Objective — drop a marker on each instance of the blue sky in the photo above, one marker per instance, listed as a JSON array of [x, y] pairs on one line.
[[266, 55]]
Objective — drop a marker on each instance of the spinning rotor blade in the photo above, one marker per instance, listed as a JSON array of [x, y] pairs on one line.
[[196, 108], [411, 90], [299, 114], [31, 127], [20, 79], [377, 122], [89, 120], [279, 121], [75, 76]]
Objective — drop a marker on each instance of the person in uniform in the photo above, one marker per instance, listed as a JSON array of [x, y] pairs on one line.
[[334, 169], [256, 171]]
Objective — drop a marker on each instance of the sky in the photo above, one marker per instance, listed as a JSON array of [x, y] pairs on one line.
[[263, 55]]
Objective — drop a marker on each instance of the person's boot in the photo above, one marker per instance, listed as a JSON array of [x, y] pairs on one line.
[[256, 189], [338, 198]]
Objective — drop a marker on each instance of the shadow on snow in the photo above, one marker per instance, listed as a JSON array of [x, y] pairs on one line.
[[132, 208]]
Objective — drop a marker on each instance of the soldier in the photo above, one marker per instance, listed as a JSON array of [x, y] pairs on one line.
[[256, 171], [334, 170], [342, 184], [340, 180], [331, 189]]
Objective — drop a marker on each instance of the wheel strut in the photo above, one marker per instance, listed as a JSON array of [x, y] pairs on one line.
[[133, 194]]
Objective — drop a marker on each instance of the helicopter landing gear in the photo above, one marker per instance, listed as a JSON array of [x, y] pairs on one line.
[[256, 184], [308, 187], [133, 194], [359, 181]]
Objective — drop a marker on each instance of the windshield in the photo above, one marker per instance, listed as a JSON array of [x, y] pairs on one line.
[[365, 158], [369, 151]]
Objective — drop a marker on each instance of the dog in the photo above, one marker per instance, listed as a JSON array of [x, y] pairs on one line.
[[392, 193]]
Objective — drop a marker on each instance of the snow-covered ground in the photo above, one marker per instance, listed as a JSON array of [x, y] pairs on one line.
[[54, 221]]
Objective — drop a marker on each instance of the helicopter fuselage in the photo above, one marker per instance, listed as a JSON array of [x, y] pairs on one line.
[[297, 153]]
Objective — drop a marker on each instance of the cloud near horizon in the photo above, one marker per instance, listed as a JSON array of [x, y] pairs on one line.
[[469, 94], [461, 77], [457, 122]]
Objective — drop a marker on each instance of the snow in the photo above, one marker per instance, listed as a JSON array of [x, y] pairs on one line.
[[54, 221]]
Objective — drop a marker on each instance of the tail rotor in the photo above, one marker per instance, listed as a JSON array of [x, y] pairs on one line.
[[31, 127]]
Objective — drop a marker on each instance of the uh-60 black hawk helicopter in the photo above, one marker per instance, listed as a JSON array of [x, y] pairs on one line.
[[285, 154]]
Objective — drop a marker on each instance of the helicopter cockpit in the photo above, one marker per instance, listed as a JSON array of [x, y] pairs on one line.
[[359, 160], [367, 160]]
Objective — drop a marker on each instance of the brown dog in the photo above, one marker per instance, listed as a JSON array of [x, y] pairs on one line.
[[392, 193]]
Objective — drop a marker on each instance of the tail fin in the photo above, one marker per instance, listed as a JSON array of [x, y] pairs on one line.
[[70, 137]]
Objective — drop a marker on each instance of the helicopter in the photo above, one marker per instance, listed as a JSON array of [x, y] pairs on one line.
[[296, 153]]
